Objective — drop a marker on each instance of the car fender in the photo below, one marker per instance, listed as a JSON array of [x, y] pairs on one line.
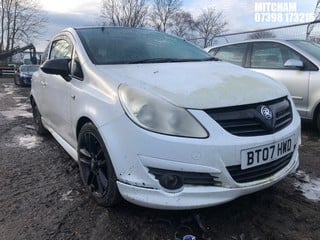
[[95, 104]]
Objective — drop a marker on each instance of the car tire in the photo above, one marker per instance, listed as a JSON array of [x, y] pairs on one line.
[[40, 129], [317, 121], [15, 81], [96, 170]]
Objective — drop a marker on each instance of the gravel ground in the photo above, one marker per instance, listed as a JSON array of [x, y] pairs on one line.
[[41, 195]]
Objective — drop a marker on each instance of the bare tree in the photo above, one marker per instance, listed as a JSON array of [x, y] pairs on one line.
[[21, 21], [210, 24], [262, 34], [130, 13], [182, 24], [163, 12]]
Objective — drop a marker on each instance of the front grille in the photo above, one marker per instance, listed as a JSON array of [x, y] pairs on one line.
[[248, 120], [192, 178], [258, 172]]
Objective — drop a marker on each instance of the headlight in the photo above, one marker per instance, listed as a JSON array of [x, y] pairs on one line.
[[157, 115]]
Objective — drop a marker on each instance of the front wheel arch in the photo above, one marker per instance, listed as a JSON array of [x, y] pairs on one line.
[[81, 122], [96, 169]]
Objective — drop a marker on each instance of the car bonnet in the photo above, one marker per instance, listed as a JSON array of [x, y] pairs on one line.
[[197, 85]]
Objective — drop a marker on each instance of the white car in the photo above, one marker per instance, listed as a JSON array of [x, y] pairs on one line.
[[158, 121]]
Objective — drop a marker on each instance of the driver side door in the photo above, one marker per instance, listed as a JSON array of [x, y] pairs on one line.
[[56, 91]]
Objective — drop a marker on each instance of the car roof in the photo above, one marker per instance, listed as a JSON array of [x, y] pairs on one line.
[[285, 41]]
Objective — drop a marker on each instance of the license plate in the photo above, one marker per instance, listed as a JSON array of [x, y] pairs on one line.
[[264, 154]]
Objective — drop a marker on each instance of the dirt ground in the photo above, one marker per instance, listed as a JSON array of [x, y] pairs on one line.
[[41, 195]]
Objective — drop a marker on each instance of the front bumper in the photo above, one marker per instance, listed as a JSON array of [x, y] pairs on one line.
[[193, 197], [25, 81], [134, 151]]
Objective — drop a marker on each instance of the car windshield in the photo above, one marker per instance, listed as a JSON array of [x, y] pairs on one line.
[[117, 45], [310, 47], [29, 68]]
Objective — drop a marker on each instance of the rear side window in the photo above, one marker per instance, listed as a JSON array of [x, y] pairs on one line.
[[233, 53]]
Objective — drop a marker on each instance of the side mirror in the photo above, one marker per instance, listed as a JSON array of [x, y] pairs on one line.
[[293, 63], [58, 67]]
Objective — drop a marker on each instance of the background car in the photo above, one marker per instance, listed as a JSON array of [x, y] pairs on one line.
[[156, 120], [295, 63], [23, 76]]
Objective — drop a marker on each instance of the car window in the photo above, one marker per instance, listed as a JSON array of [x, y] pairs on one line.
[[125, 45], [233, 53], [61, 49], [271, 55], [310, 47], [45, 54], [76, 70], [29, 68]]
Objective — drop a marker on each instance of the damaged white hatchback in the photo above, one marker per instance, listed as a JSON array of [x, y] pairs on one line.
[[157, 121]]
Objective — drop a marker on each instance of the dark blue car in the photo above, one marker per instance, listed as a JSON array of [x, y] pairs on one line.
[[23, 76]]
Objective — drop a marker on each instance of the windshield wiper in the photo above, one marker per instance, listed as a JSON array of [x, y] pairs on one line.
[[167, 60], [157, 60], [212, 59]]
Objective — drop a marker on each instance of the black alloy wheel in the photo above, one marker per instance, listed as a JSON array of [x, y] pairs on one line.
[[96, 169]]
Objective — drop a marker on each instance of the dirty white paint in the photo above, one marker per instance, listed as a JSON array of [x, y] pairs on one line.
[[28, 141], [198, 85], [309, 187]]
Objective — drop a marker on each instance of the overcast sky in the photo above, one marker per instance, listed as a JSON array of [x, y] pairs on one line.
[[241, 15]]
